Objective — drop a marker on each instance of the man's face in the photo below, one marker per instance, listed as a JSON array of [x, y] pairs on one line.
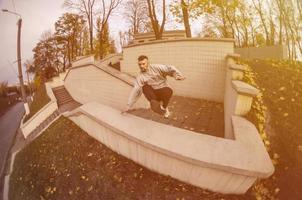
[[143, 65]]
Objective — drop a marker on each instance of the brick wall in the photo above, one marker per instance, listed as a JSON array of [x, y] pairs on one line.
[[201, 61]]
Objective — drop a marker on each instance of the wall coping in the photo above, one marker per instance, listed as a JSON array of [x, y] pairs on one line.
[[165, 33], [37, 114], [82, 58], [244, 88], [234, 156], [127, 78], [237, 67], [233, 56], [183, 40], [111, 56], [53, 100]]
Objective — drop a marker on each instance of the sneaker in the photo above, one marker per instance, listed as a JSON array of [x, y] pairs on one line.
[[155, 106], [167, 112]]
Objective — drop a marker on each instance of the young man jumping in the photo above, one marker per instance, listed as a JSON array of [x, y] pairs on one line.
[[152, 82]]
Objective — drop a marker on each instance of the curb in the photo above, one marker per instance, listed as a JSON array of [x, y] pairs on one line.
[[7, 177]]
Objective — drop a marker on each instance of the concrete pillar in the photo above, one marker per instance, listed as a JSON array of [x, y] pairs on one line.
[[238, 95]]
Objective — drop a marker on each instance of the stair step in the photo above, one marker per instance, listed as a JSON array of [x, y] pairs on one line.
[[63, 98], [61, 92], [59, 87], [65, 101]]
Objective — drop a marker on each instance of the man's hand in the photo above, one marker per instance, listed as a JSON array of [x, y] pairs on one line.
[[125, 110], [179, 78]]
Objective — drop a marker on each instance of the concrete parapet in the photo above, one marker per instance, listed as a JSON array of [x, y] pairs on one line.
[[100, 83], [41, 115], [217, 164], [238, 95], [83, 60]]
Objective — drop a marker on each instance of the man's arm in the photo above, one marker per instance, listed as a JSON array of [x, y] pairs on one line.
[[136, 92], [171, 70]]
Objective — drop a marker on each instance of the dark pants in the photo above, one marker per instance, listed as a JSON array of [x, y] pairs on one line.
[[163, 94]]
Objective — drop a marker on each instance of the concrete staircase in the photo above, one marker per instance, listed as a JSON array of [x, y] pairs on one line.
[[64, 100]]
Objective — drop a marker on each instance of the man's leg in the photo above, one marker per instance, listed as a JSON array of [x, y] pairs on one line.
[[164, 95], [149, 93]]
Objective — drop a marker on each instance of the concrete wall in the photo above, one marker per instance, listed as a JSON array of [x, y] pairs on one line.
[[42, 114], [93, 83], [218, 164], [272, 52], [111, 58], [202, 61]]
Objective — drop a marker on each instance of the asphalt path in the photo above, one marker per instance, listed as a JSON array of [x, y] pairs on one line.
[[9, 124]]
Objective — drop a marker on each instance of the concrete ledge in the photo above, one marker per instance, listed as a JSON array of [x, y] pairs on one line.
[[113, 58], [238, 67], [234, 56], [41, 115], [244, 88], [222, 165], [38, 118], [84, 60], [109, 70]]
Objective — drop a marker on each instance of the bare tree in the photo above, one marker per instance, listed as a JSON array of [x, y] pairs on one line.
[[259, 8], [136, 15], [158, 29], [106, 11], [84, 7]]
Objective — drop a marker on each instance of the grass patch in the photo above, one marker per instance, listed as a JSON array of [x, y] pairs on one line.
[[65, 163], [40, 100]]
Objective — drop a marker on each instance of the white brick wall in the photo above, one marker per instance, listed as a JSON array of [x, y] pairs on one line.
[[202, 62], [89, 84]]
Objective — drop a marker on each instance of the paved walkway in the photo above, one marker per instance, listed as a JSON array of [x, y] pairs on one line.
[[197, 115], [9, 124]]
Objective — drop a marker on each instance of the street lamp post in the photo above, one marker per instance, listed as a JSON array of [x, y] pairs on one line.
[[20, 76]]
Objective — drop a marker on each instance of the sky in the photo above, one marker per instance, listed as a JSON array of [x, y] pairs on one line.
[[38, 16]]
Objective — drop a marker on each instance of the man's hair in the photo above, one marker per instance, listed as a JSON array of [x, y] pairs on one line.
[[142, 57]]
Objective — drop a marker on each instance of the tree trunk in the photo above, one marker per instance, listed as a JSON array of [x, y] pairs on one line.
[[91, 34], [101, 43], [64, 62], [68, 48], [280, 31], [262, 19], [158, 30], [184, 8]]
